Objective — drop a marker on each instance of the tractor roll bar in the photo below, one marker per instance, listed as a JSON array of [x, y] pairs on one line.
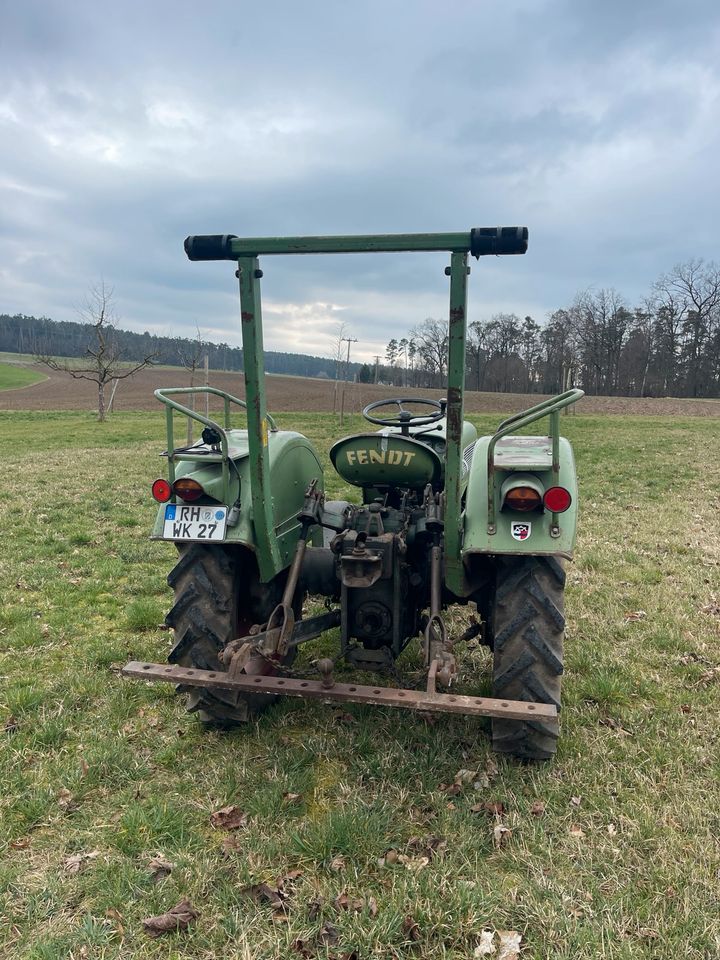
[[480, 242]]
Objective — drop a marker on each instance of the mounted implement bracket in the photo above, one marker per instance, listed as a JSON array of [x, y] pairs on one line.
[[421, 700]]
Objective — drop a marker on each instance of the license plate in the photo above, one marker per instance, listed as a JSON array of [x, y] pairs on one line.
[[194, 523]]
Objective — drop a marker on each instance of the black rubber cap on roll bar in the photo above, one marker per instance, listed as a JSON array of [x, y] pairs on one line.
[[210, 247], [498, 241]]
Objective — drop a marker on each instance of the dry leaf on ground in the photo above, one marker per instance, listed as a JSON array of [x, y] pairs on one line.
[[427, 846], [414, 864], [576, 831], [485, 947], [493, 808], [266, 893], [160, 868], [75, 863], [345, 902], [11, 725], [501, 835], [112, 914], [411, 929], [337, 864], [177, 918], [389, 857], [509, 946], [538, 808], [634, 615], [228, 818]]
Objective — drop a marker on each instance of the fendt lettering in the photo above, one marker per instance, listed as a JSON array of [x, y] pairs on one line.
[[393, 458]]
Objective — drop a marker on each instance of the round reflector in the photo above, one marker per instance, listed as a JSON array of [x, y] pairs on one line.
[[522, 498], [557, 499], [187, 489], [161, 490]]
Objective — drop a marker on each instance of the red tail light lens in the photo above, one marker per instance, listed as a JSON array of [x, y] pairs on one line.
[[557, 499], [161, 490], [522, 498], [187, 489]]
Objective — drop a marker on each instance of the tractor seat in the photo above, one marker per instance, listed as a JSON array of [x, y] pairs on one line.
[[386, 460]]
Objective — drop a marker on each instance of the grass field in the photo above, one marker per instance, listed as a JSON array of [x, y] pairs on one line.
[[612, 849], [15, 377]]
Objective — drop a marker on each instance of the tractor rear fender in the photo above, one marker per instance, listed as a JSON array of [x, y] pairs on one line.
[[529, 460], [293, 464]]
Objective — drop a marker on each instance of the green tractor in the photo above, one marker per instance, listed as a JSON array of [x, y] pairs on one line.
[[445, 517]]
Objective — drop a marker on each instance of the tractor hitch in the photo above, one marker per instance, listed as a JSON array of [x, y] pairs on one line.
[[425, 701]]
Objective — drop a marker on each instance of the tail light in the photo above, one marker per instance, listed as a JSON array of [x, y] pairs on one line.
[[187, 489], [557, 499], [161, 490], [522, 499]]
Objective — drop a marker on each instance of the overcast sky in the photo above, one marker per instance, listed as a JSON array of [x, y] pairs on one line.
[[126, 126]]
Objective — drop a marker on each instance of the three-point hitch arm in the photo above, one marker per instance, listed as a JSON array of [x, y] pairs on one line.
[[478, 242]]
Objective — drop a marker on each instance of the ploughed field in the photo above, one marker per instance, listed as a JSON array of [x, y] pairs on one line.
[[59, 392], [355, 832]]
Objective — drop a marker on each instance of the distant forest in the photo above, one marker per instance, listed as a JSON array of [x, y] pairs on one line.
[[667, 345], [42, 336]]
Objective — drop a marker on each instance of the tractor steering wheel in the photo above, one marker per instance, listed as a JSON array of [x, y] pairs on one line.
[[404, 418]]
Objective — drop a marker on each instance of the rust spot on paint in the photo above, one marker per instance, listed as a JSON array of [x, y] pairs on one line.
[[457, 314], [454, 412], [247, 317]]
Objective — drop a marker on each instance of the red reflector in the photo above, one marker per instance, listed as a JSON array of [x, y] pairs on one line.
[[187, 489], [161, 490], [557, 499]]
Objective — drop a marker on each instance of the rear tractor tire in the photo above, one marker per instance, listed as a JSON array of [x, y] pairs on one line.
[[526, 626], [218, 597]]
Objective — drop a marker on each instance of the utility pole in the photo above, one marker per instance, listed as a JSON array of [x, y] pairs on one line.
[[349, 340], [377, 367]]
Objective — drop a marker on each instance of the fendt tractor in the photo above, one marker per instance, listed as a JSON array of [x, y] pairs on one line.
[[445, 517]]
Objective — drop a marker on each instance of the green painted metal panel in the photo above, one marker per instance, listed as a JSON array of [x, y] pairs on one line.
[[454, 571], [293, 463], [386, 459], [268, 553], [378, 243], [519, 455]]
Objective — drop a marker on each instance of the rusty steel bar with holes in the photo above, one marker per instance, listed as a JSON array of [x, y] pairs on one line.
[[345, 692]]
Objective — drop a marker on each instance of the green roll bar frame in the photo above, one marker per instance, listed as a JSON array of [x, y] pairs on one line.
[[550, 407], [481, 241]]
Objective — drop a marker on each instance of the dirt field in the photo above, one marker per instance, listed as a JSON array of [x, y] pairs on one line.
[[60, 392]]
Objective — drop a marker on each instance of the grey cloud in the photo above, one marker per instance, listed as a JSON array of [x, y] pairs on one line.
[[125, 128]]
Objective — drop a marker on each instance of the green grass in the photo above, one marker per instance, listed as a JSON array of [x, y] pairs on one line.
[[93, 763], [13, 376]]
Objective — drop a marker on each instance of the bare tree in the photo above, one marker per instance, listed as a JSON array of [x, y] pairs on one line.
[[102, 361], [431, 339], [337, 356]]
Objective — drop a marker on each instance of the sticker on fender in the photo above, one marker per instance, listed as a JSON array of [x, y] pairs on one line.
[[184, 522], [520, 531]]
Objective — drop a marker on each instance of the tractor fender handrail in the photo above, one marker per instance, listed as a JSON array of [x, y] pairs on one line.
[[562, 400], [546, 408], [163, 395]]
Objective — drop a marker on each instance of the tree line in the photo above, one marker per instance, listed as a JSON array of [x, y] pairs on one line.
[[42, 336], [667, 345]]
